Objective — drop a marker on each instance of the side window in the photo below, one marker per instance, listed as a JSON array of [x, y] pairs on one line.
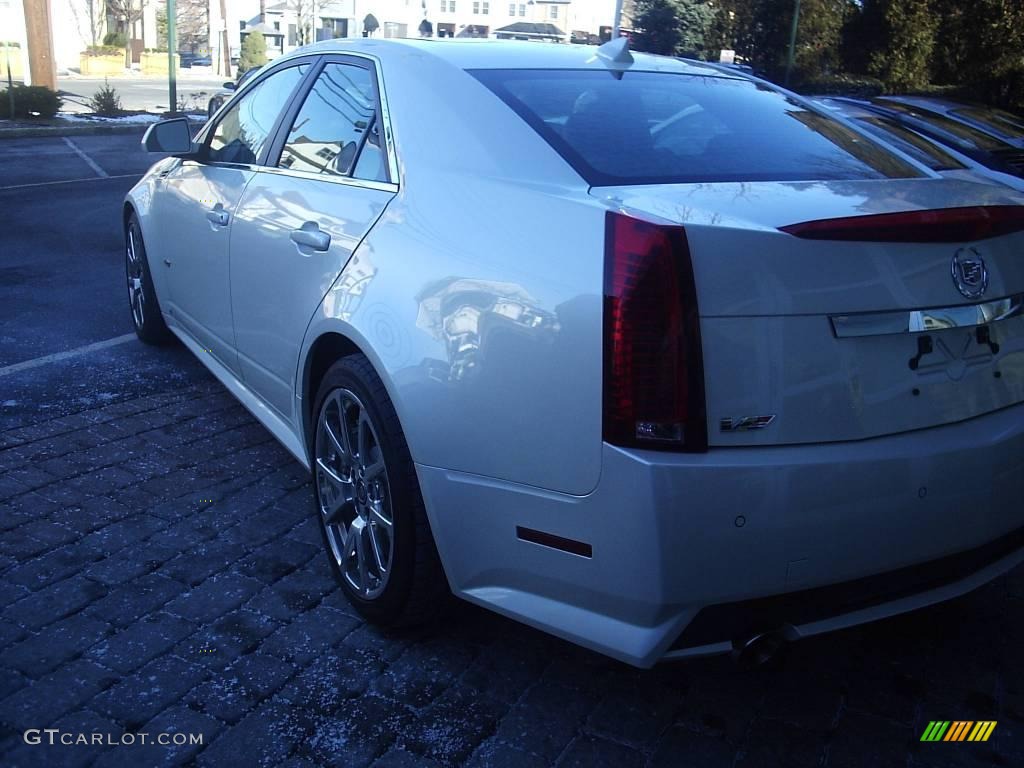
[[336, 125], [242, 133], [370, 165]]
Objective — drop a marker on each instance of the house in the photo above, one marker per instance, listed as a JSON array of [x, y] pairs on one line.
[[287, 24], [292, 23], [491, 18]]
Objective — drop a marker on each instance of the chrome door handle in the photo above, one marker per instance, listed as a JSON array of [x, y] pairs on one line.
[[310, 236], [218, 216]]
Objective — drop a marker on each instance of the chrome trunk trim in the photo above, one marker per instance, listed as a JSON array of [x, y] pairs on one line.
[[927, 320]]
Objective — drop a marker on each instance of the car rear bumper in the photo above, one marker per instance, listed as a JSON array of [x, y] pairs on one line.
[[688, 553]]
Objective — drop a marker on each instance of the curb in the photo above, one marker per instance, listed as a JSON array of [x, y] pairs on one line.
[[37, 131], [69, 130]]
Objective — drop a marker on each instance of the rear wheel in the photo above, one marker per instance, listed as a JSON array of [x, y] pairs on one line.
[[149, 323], [368, 500]]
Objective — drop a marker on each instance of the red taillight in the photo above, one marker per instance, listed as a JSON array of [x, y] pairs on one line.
[[653, 372], [944, 225]]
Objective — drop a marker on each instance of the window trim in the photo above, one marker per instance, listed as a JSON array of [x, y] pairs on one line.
[[279, 130], [206, 134], [299, 98]]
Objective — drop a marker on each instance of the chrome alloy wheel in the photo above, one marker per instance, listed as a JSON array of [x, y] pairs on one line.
[[136, 295], [353, 494]]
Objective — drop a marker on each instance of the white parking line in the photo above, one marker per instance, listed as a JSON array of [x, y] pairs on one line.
[[58, 356], [92, 163], [71, 181]]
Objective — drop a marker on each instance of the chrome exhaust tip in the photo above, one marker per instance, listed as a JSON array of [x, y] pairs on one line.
[[762, 648]]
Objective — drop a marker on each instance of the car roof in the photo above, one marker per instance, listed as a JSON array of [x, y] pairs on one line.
[[505, 54]]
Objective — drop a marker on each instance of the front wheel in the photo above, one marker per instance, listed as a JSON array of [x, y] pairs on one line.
[[368, 501], [149, 323]]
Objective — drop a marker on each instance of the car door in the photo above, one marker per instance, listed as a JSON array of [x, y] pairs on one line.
[[196, 210], [327, 180]]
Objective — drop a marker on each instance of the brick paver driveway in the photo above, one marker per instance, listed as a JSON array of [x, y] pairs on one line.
[[161, 572]]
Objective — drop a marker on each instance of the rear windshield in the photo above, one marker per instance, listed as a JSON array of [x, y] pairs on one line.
[[664, 128], [914, 144]]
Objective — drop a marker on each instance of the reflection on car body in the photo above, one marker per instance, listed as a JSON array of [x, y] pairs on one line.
[[463, 312]]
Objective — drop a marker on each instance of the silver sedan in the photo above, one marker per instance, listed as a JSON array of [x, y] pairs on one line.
[[653, 357]]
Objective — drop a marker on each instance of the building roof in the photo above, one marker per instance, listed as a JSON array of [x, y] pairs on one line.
[[266, 29]]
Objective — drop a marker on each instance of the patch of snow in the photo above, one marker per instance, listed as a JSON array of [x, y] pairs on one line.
[[122, 120]]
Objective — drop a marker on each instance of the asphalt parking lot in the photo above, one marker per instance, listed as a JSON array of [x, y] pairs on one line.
[[161, 573]]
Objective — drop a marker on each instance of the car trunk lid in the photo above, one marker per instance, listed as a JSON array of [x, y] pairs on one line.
[[846, 327]]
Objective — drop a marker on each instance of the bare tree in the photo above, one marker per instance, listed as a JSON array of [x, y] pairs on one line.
[[193, 24], [129, 12], [89, 16], [305, 24]]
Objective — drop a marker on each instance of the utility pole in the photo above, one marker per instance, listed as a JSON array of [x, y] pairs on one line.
[[10, 82], [792, 42], [172, 54], [225, 49], [617, 22], [41, 66]]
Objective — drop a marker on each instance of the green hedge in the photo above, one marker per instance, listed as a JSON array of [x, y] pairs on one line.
[[29, 99], [104, 50], [842, 85]]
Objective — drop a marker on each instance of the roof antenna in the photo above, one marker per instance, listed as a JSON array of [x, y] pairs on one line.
[[615, 55]]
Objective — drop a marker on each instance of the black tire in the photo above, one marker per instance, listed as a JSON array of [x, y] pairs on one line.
[[416, 588], [146, 317]]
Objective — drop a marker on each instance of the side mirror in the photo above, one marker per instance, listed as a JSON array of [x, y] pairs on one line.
[[230, 85], [171, 136]]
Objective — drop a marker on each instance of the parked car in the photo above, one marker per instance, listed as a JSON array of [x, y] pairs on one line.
[[581, 37], [227, 91], [645, 354], [940, 158], [995, 122], [993, 148], [189, 60]]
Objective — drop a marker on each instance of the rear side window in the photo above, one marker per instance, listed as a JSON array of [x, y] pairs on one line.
[[663, 128], [336, 125]]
